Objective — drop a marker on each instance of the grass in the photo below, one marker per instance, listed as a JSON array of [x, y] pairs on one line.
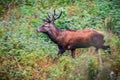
[[27, 55]]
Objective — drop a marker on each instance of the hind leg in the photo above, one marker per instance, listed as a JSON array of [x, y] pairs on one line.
[[97, 50], [107, 48]]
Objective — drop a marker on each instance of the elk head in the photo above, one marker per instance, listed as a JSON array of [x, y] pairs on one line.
[[49, 22]]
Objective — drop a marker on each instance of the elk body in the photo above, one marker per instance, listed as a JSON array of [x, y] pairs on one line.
[[71, 39]]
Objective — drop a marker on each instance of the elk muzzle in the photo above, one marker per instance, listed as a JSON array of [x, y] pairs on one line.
[[38, 30]]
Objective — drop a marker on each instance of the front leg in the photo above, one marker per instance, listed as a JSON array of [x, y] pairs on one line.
[[73, 53], [60, 52]]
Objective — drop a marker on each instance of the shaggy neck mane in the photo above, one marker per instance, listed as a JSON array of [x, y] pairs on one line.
[[53, 33]]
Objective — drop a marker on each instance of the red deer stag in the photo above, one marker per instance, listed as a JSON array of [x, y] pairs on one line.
[[71, 39]]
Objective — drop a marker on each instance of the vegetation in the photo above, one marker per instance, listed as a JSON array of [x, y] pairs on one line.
[[28, 55]]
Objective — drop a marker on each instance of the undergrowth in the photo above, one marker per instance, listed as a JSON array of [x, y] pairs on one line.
[[28, 55]]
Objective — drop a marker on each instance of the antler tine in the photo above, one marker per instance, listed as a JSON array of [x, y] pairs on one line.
[[48, 15], [59, 15], [53, 16], [54, 13], [45, 20]]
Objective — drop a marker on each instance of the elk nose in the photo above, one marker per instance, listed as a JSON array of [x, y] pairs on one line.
[[37, 30]]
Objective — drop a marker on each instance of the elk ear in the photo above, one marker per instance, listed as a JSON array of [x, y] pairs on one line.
[[49, 21], [45, 20], [52, 21]]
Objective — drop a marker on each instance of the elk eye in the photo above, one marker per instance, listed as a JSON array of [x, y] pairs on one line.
[[45, 26]]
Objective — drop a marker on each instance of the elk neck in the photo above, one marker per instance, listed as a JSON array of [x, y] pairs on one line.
[[53, 33]]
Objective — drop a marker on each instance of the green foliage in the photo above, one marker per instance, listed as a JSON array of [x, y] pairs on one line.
[[26, 54], [92, 69]]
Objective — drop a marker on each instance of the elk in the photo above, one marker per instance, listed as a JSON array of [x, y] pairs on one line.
[[72, 39]]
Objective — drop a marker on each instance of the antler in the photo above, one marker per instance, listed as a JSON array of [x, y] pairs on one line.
[[48, 15], [53, 16], [47, 19]]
